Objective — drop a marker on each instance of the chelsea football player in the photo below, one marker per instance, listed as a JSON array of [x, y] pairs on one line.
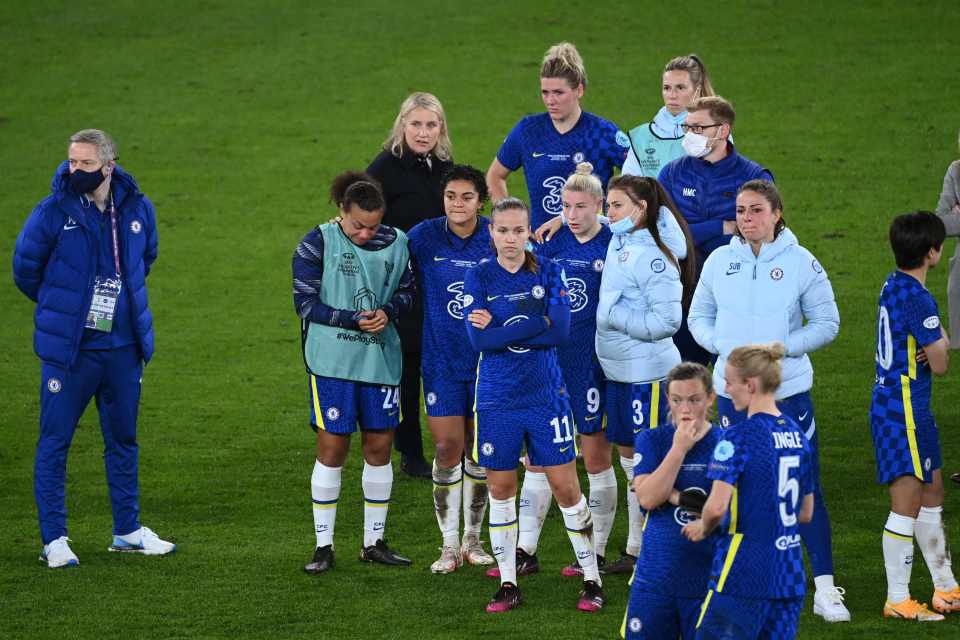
[[911, 344]]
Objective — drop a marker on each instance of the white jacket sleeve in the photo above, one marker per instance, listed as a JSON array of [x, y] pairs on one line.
[[819, 308], [702, 317], [661, 317]]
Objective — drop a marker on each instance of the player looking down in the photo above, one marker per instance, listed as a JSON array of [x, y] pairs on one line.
[[351, 281], [548, 146], [648, 267], [671, 484], [518, 312], [443, 249], [762, 489], [911, 344]]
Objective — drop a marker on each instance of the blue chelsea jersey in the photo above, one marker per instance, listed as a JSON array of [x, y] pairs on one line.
[[441, 260], [582, 264], [758, 555], [907, 319], [669, 564], [549, 157], [520, 375]]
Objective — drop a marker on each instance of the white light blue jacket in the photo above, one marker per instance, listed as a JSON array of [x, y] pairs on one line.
[[746, 299], [639, 305]]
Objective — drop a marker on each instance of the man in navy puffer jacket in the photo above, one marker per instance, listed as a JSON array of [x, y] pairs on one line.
[[703, 184], [83, 257]]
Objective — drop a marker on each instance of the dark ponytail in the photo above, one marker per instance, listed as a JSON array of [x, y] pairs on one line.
[[653, 194], [356, 188]]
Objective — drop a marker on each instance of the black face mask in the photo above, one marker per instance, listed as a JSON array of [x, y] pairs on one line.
[[81, 182]]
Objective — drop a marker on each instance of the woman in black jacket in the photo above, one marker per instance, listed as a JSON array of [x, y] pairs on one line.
[[414, 157]]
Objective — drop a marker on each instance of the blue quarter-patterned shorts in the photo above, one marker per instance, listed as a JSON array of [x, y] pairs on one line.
[[444, 397], [651, 616], [906, 440], [587, 390], [728, 617], [631, 408], [501, 434], [338, 406]]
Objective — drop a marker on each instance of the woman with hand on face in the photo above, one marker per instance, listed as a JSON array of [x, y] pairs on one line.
[[648, 269], [764, 286], [442, 251], [410, 167], [518, 312], [653, 144], [350, 284], [670, 480], [762, 492], [548, 146]]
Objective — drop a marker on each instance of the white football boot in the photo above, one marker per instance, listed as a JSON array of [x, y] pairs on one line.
[[144, 541]]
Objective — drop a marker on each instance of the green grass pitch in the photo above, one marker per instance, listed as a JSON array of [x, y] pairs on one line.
[[235, 115]]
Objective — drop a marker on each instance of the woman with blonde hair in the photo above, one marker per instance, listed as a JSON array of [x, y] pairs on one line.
[[548, 146], [655, 143], [415, 156]]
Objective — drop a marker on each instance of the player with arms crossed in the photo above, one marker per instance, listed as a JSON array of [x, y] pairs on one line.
[[580, 248], [670, 480], [351, 281], [645, 277], [762, 489], [911, 344], [443, 249], [518, 311], [548, 146]]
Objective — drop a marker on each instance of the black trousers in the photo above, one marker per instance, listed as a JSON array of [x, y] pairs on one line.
[[408, 439]]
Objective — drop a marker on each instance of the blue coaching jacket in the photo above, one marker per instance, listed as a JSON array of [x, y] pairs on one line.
[[55, 263], [706, 193]]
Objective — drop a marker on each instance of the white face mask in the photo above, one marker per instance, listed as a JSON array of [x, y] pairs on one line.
[[695, 144]]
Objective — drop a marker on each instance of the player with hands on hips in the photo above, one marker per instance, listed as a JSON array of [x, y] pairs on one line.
[[671, 484], [442, 251], [351, 281], [911, 345], [762, 490], [647, 274], [517, 312]]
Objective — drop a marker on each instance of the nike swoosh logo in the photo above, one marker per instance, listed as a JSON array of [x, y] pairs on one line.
[[489, 298], [803, 416], [438, 259], [589, 418], [564, 449], [67, 228], [730, 273], [538, 155], [637, 430]]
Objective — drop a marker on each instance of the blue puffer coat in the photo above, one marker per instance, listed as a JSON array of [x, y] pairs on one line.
[[55, 263]]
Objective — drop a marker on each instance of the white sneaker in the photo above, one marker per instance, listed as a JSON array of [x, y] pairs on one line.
[[144, 541], [828, 604], [57, 554]]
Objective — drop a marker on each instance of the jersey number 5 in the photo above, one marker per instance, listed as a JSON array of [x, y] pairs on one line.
[[788, 488]]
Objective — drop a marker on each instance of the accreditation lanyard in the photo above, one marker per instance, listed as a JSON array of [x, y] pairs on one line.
[[106, 291]]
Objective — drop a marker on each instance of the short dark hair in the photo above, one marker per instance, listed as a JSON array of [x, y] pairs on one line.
[[470, 174], [691, 371], [912, 235]]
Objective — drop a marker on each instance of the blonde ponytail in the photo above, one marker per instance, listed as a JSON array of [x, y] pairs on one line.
[[761, 361]]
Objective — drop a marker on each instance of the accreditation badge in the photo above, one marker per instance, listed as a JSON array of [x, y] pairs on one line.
[[106, 292]]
